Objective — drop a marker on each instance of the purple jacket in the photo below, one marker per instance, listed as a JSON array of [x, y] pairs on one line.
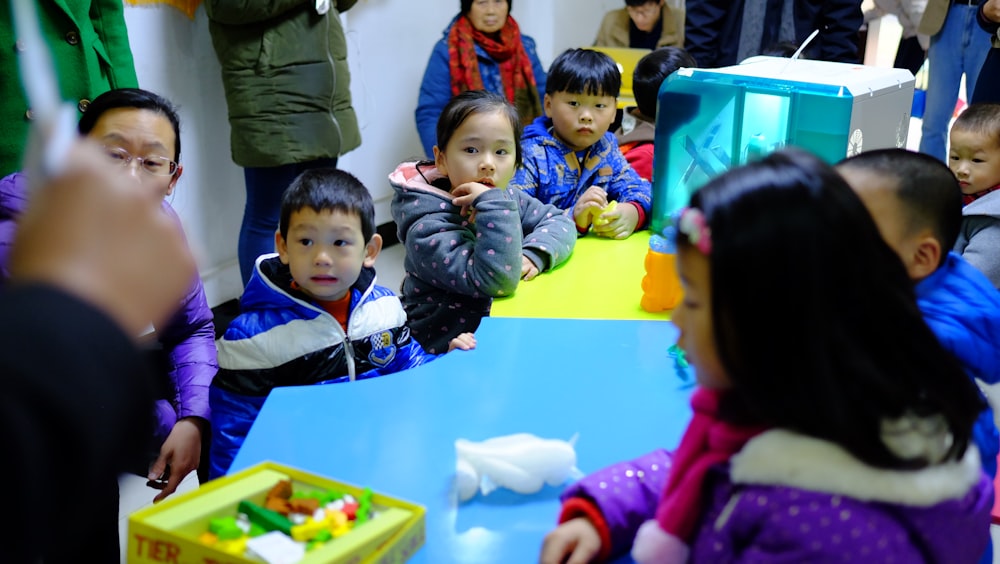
[[188, 338], [790, 498]]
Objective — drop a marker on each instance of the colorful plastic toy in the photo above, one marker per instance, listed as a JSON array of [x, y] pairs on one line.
[[521, 462]]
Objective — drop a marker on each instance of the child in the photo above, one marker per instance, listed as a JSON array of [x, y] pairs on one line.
[[312, 314], [829, 422], [638, 130], [917, 207], [571, 160], [974, 157], [468, 237]]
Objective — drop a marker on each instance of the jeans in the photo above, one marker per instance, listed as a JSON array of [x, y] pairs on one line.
[[959, 48], [265, 187]]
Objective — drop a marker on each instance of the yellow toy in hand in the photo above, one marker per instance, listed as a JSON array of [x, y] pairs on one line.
[[597, 216]]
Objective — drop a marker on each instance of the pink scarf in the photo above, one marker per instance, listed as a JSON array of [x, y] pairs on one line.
[[708, 441]]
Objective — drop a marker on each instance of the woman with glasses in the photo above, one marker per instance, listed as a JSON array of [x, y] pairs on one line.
[[482, 49], [643, 24], [140, 135]]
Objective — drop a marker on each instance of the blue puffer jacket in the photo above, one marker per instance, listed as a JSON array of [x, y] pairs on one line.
[[963, 309], [187, 339], [281, 339], [435, 89], [553, 174]]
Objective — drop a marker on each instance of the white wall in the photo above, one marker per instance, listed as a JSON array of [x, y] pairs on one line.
[[389, 42]]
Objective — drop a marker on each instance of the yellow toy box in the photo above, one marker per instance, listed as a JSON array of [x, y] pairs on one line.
[[169, 532]]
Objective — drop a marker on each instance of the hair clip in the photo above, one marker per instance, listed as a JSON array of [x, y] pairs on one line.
[[691, 222]]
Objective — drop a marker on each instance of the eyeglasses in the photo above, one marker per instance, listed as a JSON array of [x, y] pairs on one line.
[[157, 166]]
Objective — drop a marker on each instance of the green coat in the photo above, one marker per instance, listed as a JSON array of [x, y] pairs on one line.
[[89, 44], [284, 69]]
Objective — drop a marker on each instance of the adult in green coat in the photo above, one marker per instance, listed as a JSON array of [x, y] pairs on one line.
[[284, 69], [89, 44]]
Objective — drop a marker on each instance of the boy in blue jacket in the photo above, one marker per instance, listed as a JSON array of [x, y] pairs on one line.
[[312, 314], [572, 161], [917, 206]]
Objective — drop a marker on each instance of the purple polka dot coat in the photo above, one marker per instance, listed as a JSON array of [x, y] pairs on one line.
[[456, 266], [790, 498]]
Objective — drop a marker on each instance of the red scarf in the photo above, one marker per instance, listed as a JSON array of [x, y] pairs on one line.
[[707, 441], [507, 49], [969, 198]]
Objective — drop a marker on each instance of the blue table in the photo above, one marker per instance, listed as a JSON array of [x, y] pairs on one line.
[[611, 381]]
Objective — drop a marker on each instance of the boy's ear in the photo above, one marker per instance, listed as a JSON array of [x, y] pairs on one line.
[[547, 105], [926, 257], [372, 249], [281, 246]]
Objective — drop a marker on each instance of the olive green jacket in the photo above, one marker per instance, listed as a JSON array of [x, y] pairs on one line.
[[90, 49], [284, 69]]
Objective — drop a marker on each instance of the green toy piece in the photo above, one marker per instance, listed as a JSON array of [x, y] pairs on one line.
[[265, 518]]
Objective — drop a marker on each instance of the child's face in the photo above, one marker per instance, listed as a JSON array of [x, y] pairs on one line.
[[878, 194], [693, 316], [325, 251], [482, 149], [975, 160], [579, 120]]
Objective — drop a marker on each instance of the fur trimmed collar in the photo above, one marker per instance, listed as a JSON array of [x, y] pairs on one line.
[[783, 458]]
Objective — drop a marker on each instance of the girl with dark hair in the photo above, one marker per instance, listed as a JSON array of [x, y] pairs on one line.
[[482, 49], [828, 422], [468, 237]]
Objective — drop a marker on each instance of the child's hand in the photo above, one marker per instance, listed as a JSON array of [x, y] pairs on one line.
[[620, 223], [465, 342], [574, 542], [528, 268], [590, 204], [467, 193]]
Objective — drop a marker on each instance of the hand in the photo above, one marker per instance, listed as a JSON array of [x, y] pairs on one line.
[[620, 223], [91, 233], [465, 342], [590, 204], [182, 451], [528, 268], [574, 542], [991, 9], [466, 194]]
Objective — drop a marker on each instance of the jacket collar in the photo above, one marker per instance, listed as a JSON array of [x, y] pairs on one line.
[[784, 458]]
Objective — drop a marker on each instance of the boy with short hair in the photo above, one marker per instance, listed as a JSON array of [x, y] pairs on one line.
[[974, 157], [312, 314], [638, 130], [914, 201], [571, 160]]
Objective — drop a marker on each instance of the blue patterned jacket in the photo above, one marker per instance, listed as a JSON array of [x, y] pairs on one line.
[[553, 174]]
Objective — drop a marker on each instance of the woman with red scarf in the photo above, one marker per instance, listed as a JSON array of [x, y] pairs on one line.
[[482, 49]]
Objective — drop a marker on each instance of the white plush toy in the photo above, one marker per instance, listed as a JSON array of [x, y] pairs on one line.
[[521, 462]]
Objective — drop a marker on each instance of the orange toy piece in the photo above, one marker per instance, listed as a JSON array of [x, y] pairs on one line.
[[661, 287]]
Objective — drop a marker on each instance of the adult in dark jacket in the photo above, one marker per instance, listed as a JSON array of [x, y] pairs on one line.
[[720, 33], [482, 49], [130, 120], [988, 85], [95, 261], [284, 69]]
